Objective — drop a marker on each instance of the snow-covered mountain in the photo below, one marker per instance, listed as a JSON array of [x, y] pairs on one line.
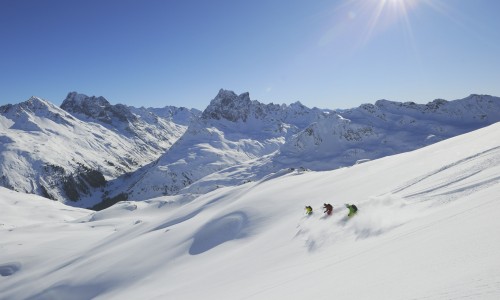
[[89, 150], [238, 139], [152, 133], [385, 128], [178, 115], [232, 130], [427, 228], [70, 154]]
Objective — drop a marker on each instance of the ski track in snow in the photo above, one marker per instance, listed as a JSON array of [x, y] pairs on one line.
[[480, 289], [376, 216], [456, 179]]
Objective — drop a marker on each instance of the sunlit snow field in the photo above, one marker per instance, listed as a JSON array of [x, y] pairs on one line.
[[427, 228]]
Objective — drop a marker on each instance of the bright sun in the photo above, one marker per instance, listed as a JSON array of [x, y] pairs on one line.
[[363, 20], [384, 13], [399, 8]]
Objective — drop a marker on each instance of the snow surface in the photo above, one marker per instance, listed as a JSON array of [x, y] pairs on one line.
[[427, 228]]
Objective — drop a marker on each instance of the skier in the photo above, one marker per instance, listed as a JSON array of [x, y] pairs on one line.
[[309, 210], [352, 209], [328, 208]]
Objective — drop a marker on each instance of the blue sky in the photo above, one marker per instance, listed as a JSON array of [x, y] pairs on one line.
[[329, 54]]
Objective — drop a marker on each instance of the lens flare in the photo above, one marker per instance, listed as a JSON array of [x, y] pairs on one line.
[[386, 13], [359, 21]]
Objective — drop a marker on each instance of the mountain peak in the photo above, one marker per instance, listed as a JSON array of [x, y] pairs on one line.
[[227, 105], [36, 99], [225, 94], [32, 105], [74, 99], [97, 108], [36, 103]]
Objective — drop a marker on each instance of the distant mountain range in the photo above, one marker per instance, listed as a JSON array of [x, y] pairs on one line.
[[90, 153], [70, 153]]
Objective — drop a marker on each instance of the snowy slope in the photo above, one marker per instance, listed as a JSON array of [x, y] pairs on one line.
[[427, 228], [46, 150]]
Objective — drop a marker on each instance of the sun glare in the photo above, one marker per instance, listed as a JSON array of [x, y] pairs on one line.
[[357, 22], [380, 15], [388, 12]]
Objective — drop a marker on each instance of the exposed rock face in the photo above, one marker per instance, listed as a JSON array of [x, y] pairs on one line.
[[97, 108]]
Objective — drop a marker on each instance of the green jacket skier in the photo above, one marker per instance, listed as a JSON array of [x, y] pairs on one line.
[[309, 210], [352, 209]]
